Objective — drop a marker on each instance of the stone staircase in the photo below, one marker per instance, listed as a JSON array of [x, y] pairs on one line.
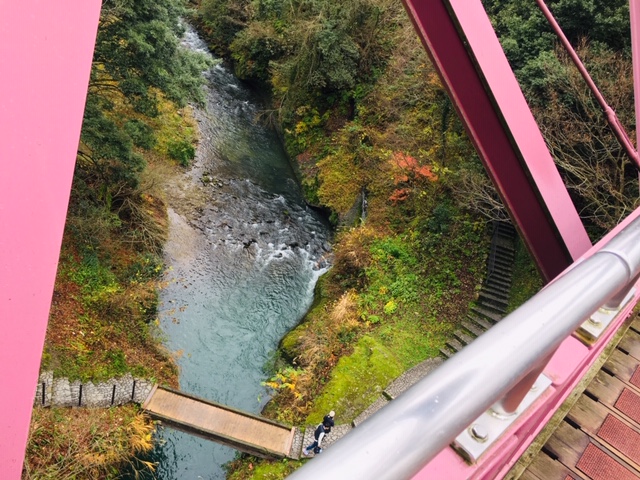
[[493, 299]]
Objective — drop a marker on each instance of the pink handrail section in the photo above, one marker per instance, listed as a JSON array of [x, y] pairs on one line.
[[46, 47], [566, 369], [634, 13]]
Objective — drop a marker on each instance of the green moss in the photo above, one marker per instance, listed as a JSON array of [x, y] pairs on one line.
[[356, 381], [413, 341], [289, 343], [255, 469], [526, 279]]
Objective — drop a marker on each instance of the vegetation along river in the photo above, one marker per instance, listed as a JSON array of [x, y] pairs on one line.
[[244, 253]]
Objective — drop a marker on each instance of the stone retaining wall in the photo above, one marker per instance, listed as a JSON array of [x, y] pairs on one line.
[[60, 392]]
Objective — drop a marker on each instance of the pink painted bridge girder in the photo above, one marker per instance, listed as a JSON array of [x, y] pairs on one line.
[[46, 47], [474, 69]]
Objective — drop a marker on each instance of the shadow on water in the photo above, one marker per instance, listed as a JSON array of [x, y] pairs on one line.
[[243, 261]]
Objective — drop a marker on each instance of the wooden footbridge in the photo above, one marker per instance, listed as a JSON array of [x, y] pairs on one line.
[[237, 429]]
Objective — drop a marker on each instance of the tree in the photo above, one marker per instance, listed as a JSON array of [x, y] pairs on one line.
[[602, 180], [526, 37], [137, 60]]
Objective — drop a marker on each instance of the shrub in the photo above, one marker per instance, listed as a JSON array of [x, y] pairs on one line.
[[182, 151]]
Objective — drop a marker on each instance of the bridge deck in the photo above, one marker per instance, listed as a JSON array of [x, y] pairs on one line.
[[237, 429], [599, 438]]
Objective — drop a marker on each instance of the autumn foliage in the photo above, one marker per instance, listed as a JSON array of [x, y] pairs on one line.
[[407, 171]]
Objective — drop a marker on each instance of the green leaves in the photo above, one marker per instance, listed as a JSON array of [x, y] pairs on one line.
[[140, 133], [525, 34], [138, 62]]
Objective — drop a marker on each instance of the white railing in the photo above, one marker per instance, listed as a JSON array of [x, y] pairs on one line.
[[494, 371]]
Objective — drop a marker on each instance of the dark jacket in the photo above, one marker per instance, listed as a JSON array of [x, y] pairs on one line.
[[328, 423], [319, 434]]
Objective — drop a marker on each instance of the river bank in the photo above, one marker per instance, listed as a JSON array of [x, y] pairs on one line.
[[242, 259]]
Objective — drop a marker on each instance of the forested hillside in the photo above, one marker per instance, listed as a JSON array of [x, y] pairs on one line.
[[600, 177], [376, 139], [136, 129]]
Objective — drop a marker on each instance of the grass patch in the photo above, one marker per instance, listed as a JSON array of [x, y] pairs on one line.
[[101, 323], [87, 443], [260, 469], [526, 279], [413, 341], [356, 381]]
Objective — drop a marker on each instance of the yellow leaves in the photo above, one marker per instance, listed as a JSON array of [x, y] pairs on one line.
[[301, 127], [341, 181], [90, 443], [289, 380], [390, 307]]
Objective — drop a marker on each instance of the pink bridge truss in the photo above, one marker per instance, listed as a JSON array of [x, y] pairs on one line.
[[46, 50]]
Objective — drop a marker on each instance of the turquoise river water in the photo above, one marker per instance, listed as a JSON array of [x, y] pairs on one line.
[[244, 253]]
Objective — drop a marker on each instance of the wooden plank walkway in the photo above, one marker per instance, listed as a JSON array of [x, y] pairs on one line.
[[234, 428], [599, 438]]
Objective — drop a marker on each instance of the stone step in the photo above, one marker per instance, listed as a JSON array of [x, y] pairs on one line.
[[498, 282], [481, 322], [499, 302], [499, 270], [464, 338], [499, 293], [447, 352], [493, 317], [504, 262], [505, 232], [454, 344], [497, 310], [506, 244], [381, 401], [410, 377], [500, 275], [502, 272], [472, 327], [506, 227], [505, 257]]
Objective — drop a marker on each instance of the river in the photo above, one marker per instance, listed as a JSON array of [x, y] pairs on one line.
[[244, 253]]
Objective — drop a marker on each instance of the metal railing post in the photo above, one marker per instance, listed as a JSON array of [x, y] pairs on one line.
[[509, 403]]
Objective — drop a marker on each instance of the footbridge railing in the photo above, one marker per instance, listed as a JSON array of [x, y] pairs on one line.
[[492, 398]]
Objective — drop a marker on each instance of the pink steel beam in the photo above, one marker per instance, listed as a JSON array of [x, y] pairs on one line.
[[465, 50], [634, 11], [610, 114], [46, 48]]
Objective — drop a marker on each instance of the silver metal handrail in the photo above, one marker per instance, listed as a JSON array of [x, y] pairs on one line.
[[398, 440]]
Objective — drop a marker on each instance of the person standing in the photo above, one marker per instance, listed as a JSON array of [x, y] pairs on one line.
[[321, 430]]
